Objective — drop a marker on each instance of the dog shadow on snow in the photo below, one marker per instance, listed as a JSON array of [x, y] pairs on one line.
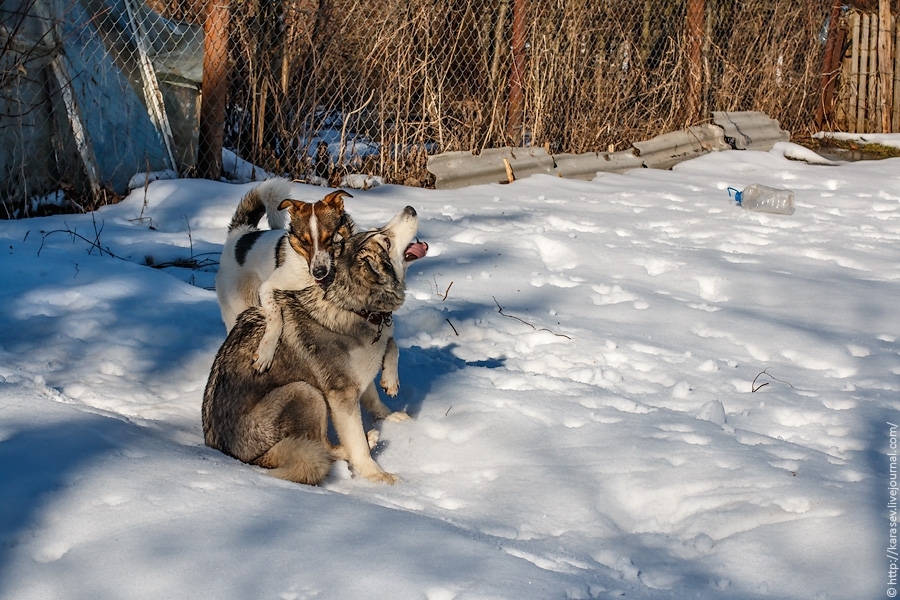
[[421, 368]]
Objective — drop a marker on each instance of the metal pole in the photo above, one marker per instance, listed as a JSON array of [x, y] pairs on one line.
[[214, 90], [696, 13], [516, 107]]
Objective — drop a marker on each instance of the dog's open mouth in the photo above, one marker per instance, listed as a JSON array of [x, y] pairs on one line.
[[415, 251]]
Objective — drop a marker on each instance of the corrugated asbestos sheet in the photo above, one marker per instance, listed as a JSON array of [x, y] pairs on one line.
[[459, 169], [668, 149], [499, 165], [737, 130], [750, 130]]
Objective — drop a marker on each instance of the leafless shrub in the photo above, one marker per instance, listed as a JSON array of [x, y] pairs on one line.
[[389, 82], [395, 81]]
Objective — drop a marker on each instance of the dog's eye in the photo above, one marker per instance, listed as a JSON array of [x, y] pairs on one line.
[[387, 243]]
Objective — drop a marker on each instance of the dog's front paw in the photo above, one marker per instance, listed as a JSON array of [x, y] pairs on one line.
[[390, 385], [262, 363], [383, 477], [371, 471], [397, 416], [265, 352], [372, 437]]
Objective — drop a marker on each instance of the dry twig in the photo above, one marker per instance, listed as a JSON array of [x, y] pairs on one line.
[[94, 244], [756, 388], [452, 327], [500, 310]]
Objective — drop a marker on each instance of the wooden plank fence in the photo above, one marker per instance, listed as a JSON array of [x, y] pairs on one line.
[[868, 99]]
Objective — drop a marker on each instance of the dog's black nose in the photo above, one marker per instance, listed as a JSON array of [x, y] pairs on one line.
[[320, 272], [410, 211]]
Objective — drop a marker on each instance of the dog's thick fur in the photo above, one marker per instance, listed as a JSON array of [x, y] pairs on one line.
[[332, 345], [255, 263]]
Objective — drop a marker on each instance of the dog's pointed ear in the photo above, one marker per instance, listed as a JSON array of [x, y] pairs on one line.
[[375, 270], [285, 203], [291, 204], [336, 199]]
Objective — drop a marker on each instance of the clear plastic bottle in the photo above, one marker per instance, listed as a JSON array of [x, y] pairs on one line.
[[762, 198]]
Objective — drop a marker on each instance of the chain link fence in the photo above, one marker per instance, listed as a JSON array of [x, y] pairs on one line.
[[94, 92]]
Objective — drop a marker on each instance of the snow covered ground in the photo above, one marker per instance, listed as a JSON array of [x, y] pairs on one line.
[[579, 359]]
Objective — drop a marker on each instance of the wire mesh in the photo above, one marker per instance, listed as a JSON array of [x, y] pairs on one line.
[[319, 89]]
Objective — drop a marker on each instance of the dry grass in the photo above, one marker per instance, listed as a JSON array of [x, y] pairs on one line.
[[418, 79]]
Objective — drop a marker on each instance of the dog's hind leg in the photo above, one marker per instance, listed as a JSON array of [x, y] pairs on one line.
[[301, 460], [298, 415], [372, 403]]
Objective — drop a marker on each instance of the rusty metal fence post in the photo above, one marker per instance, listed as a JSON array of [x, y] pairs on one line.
[[214, 89], [517, 73], [694, 21]]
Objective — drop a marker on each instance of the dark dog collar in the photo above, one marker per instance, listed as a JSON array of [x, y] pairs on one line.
[[379, 319]]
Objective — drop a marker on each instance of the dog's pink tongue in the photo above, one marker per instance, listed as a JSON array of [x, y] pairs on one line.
[[416, 250]]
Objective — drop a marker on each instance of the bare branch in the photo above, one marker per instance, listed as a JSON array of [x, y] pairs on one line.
[[452, 327], [756, 388], [500, 310]]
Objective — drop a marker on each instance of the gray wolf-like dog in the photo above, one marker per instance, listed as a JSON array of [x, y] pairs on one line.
[[332, 343]]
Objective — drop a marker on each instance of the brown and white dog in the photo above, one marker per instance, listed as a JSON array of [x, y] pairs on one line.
[[332, 344], [255, 262]]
